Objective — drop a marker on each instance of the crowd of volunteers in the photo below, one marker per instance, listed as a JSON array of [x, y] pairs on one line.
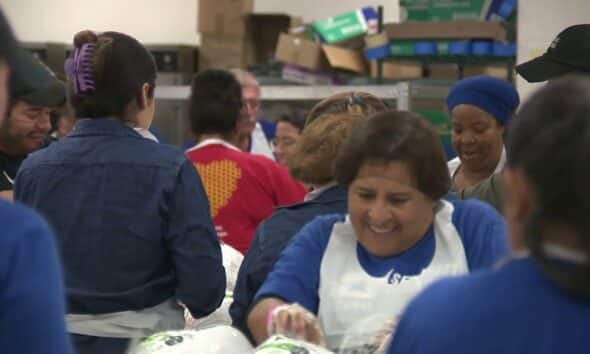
[[342, 229]]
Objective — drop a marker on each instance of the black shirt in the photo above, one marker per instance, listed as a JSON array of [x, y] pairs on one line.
[[8, 167]]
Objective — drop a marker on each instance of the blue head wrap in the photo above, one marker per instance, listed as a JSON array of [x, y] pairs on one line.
[[494, 96]]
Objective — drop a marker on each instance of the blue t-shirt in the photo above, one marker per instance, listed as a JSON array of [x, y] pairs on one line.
[[31, 288], [514, 309], [480, 227]]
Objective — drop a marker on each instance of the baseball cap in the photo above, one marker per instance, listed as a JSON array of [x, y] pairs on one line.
[[568, 53], [33, 82]]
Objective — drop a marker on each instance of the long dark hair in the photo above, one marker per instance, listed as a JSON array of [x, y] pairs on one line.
[[550, 141], [119, 66]]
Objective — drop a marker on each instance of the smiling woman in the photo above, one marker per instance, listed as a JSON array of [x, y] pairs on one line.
[[480, 108], [384, 204], [399, 235]]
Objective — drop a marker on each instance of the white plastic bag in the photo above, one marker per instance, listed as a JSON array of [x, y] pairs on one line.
[[279, 344], [216, 340], [232, 260], [369, 336]]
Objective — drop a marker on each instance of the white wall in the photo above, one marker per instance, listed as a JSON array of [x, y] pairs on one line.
[[151, 21], [539, 22], [312, 10]]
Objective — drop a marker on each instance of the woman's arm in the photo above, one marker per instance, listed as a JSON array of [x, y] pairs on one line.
[[194, 246], [293, 281], [258, 316], [273, 316]]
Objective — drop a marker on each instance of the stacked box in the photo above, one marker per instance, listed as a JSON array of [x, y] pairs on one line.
[[231, 36], [312, 55]]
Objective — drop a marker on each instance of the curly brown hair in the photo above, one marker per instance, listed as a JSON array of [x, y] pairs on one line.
[[352, 102], [311, 163]]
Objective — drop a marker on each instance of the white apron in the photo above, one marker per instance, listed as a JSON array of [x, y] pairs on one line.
[[128, 324], [348, 295]]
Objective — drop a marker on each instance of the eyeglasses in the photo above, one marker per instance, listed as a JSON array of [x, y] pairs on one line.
[[282, 142]]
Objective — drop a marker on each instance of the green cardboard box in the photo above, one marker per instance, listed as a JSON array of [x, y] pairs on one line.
[[341, 27], [443, 10], [414, 10]]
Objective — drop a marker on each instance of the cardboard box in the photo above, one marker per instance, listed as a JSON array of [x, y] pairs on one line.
[[398, 70], [312, 55], [305, 76], [256, 46], [347, 25], [499, 71], [223, 52], [446, 30], [443, 10], [414, 10], [263, 34], [303, 52], [443, 71], [345, 59], [224, 17], [376, 40]]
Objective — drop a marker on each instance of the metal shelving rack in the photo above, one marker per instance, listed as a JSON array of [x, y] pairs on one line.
[[402, 92]]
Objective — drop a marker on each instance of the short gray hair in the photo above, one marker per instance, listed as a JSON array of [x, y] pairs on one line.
[[245, 78]]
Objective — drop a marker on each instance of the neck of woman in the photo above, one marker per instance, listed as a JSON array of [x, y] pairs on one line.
[[224, 137], [465, 178], [474, 177]]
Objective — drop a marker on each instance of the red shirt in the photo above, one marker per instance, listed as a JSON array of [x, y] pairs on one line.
[[243, 189]]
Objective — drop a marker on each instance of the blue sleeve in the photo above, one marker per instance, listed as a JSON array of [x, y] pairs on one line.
[[31, 287], [269, 128], [295, 277], [193, 242], [483, 232]]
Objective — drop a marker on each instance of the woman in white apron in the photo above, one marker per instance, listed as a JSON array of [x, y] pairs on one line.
[[398, 236], [480, 108]]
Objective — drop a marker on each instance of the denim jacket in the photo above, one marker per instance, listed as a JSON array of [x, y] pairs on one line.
[[131, 217]]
